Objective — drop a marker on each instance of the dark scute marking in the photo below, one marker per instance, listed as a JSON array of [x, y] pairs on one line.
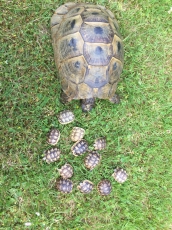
[[77, 64], [119, 46], [77, 9], [114, 66], [97, 80], [73, 23], [98, 30], [72, 43], [98, 50], [95, 13]]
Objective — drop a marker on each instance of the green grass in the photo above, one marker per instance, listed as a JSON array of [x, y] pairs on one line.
[[138, 130]]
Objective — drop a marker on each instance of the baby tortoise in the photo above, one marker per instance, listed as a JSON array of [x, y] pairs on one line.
[[66, 171], [100, 143], [52, 155], [120, 175], [92, 160], [104, 187], [66, 117], [77, 134], [64, 185], [86, 186], [53, 136], [79, 148]]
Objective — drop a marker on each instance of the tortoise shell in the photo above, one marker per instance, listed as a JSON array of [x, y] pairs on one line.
[[77, 134], [86, 186], [64, 185], [92, 160], [100, 143], [66, 117], [104, 187], [52, 155], [79, 148], [120, 175], [88, 50], [53, 136], [66, 171]]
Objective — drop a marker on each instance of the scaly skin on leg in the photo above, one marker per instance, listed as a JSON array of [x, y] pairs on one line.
[[115, 99], [64, 99], [87, 104]]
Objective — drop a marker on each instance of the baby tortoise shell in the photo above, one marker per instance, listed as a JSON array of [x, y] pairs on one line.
[[88, 52], [52, 155], [64, 185], [66, 117], [92, 160], [77, 134], [104, 187], [53, 136], [100, 143], [120, 175], [66, 171], [86, 186], [79, 148]]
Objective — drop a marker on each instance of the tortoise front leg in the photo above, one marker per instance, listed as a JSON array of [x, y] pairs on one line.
[[115, 99], [87, 104]]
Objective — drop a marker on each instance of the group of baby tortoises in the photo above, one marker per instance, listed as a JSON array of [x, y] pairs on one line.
[[64, 184]]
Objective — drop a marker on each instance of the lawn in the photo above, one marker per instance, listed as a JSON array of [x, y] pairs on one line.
[[138, 130]]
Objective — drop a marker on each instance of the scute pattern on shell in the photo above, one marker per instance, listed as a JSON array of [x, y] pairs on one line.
[[88, 50], [52, 155], [77, 134], [100, 143], [120, 175], [66, 171], [66, 117], [53, 137], [79, 148], [64, 185], [92, 160], [86, 186], [104, 187]]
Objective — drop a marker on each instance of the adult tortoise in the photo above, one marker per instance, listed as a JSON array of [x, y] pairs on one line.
[[88, 52]]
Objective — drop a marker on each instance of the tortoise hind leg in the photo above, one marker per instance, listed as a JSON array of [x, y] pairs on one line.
[[87, 104], [115, 99], [64, 99]]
